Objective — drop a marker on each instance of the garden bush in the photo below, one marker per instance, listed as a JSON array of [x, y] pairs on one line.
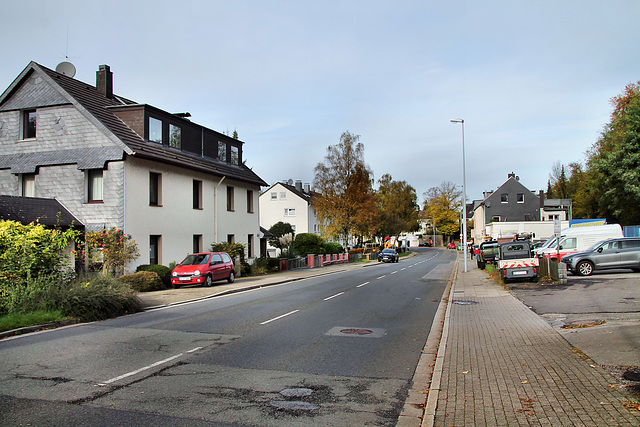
[[162, 271], [333, 248], [308, 243], [99, 298], [143, 281]]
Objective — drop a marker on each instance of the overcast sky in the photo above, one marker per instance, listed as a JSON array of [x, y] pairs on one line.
[[531, 79]]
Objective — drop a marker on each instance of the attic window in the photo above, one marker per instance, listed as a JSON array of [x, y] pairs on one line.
[[175, 136], [222, 151], [29, 121], [155, 130], [504, 198], [235, 155], [520, 197]]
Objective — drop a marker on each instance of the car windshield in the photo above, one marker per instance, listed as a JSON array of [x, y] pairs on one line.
[[593, 247], [388, 251], [195, 259]]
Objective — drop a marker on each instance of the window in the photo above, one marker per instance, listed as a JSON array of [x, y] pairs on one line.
[[629, 244], [274, 195], [520, 198], [175, 136], [235, 155], [95, 188], [495, 218], [504, 198], [155, 130], [231, 238], [222, 151], [155, 249], [215, 259], [249, 201], [569, 243], [197, 243], [230, 197], [289, 212], [197, 194], [283, 195], [155, 189], [250, 246], [29, 185], [29, 120]]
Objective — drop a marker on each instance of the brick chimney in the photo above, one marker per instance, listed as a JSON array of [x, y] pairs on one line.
[[104, 81]]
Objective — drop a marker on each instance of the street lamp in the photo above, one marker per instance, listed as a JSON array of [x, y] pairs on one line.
[[464, 196]]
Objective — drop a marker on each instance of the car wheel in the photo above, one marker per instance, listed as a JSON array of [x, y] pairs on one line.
[[176, 285], [584, 268], [232, 277], [207, 281]]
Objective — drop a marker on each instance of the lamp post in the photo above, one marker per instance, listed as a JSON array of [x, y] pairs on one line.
[[464, 196]]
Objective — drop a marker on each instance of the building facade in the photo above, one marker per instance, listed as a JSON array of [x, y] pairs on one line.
[[173, 185]]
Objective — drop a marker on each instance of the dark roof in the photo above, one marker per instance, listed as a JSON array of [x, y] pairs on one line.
[[303, 195], [26, 210], [88, 99]]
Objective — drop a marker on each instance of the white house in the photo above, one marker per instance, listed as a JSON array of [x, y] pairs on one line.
[[173, 185], [290, 204]]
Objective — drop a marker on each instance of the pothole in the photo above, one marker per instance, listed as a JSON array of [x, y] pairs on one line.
[[348, 331], [582, 324], [296, 392]]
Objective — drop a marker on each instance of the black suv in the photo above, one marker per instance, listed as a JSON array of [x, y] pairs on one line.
[[622, 252], [487, 253]]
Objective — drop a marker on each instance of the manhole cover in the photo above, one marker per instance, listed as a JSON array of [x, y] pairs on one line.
[[356, 331], [294, 405], [459, 302]]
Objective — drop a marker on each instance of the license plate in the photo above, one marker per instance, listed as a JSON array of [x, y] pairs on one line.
[[184, 278], [519, 273]]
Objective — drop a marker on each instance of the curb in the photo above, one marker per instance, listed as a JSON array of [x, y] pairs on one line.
[[418, 409]]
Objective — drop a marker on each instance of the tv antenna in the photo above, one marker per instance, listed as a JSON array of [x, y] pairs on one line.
[[66, 67]]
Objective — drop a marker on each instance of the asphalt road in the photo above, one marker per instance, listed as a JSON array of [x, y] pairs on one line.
[[332, 350]]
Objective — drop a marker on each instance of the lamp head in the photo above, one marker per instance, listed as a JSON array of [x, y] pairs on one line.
[[457, 120]]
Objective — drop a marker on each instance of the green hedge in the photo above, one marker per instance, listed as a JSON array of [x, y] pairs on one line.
[[163, 272], [143, 281]]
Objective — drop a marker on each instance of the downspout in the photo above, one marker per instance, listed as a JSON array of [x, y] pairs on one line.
[[215, 210]]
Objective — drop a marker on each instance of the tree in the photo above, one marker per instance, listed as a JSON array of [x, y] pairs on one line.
[[308, 243], [280, 229], [614, 160], [398, 207], [113, 249], [346, 203], [443, 204]]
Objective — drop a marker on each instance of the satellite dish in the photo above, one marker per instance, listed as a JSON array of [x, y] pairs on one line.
[[66, 68]]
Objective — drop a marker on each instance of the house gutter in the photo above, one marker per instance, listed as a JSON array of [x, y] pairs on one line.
[[215, 210]]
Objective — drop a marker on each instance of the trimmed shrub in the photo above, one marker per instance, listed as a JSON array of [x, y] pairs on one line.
[[308, 243], [40, 293], [163, 272], [99, 298], [143, 281], [333, 248]]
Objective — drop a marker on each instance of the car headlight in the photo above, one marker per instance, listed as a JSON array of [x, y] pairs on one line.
[[196, 273], [174, 274]]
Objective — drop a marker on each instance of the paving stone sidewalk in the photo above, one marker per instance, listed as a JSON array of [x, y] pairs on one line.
[[504, 365]]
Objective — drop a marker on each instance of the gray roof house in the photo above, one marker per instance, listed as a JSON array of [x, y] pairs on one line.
[[172, 184]]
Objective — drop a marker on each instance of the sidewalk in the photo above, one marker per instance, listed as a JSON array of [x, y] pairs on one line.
[[500, 364]]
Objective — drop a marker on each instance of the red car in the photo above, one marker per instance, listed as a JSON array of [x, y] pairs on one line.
[[451, 246], [203, 268]]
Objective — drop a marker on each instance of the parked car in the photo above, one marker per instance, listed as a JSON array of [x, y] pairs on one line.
[[623, 252], [578, 239], [451, 245], [388, 255], [487, 253], [203, 268], [516, 260]]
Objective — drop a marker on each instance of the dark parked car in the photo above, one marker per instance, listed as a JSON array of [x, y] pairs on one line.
[[203, 268], [488, 253], [388, 255], [611, 253]]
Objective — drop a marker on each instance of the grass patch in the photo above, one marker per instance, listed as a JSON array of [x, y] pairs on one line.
[[21, 320]]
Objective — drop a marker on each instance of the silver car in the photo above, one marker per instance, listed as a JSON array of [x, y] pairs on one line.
[[611, 253]]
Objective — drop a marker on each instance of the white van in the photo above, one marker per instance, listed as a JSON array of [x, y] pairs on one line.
[[577, 239]]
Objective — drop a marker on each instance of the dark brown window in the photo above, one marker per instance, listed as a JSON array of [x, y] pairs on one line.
[[197, 243], [155, 189], [230, 198], [95, 190], [250, 201], [197, 194], [155, 249], [29, 121]]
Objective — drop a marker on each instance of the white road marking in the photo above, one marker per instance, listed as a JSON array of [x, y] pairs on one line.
[[137, 371], [365, 283], [394, 272], [381, 277], [333, 296], [279, 317]]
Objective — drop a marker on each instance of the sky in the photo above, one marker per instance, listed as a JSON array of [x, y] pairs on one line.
[[531, 79]]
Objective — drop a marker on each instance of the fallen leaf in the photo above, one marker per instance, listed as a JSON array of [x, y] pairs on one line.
[[525, 382]]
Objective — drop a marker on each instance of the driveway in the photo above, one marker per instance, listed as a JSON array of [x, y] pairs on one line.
[[598, 314]]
